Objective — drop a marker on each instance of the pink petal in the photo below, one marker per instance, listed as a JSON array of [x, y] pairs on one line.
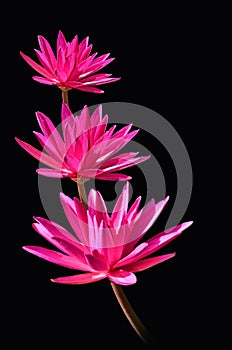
[[61, 41], [146, 218], [51, 133], [52, 173], [122, 277], [133, 209], [118, 160], [81, 278], [45, 63], [47, 51], [42, 157], [80, 210], [147, 263], [49, 229], [96, 205], [96, 264], [113, 177], [56, 258], [132, 256], [80, 228], [163, 238], [76, 85], [126, 164], [45, 81], [120, 207], [36, 66]]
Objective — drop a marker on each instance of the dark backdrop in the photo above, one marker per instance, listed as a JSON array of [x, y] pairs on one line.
[[162, 59]]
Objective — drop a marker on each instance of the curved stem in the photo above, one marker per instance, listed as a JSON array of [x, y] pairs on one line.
[[65, 96], [131, 315]]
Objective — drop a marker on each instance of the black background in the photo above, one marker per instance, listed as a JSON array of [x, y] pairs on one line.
[[162, 57]]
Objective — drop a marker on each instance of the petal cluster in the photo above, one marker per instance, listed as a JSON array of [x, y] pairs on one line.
[[104, 245], [83, 149], [71, 66]]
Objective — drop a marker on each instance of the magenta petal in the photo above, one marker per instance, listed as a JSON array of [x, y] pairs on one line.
[[36, 66], [113, 177], [147, 263], [52, 173], [57, 258], [44, 80], [122, 277], [96, 264], [132, 256], [163, 238], [82, 278], [42, 157]]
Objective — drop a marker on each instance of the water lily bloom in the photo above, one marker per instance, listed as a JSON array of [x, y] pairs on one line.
[[105, 245], [85, 149], [72, 67]]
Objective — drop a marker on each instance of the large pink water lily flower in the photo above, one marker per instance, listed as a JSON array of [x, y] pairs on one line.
[[103, 245], [85, 149], [72, 66]]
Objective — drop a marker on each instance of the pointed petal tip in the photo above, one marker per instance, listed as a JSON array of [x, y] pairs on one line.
[[187, 224]]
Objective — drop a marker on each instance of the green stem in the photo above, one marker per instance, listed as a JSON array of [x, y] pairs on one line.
[[131, 315]]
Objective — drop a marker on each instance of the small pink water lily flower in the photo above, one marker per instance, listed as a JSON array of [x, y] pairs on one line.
[[72, 66], [103, 245], [85, 149]]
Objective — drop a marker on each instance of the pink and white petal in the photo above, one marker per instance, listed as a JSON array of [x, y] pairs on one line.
[[82, 278], [122, 277], [126, 164], [130, 258], [47, 51], [79, 227], [71, 250], [123, 131], [66, 113], [146, 218], [96, 205], [42, 157], [96, 116], [160, 240], [44, 61], [120, 207], [57, 258], [61, 41], [118, 159], [147, 263], [41, 70], [53, 136], [96, 77], [52, 173], [78, 86], [132, 212], [45, 80], [49, 229], [100, 82]]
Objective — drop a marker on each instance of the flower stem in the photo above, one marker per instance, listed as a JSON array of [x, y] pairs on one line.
[[131, 315], [121, 297], [65, 96], [82, 194]]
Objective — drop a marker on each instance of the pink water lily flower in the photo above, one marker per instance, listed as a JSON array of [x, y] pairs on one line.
[[72, 66], [85, 149], [103, 245]]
